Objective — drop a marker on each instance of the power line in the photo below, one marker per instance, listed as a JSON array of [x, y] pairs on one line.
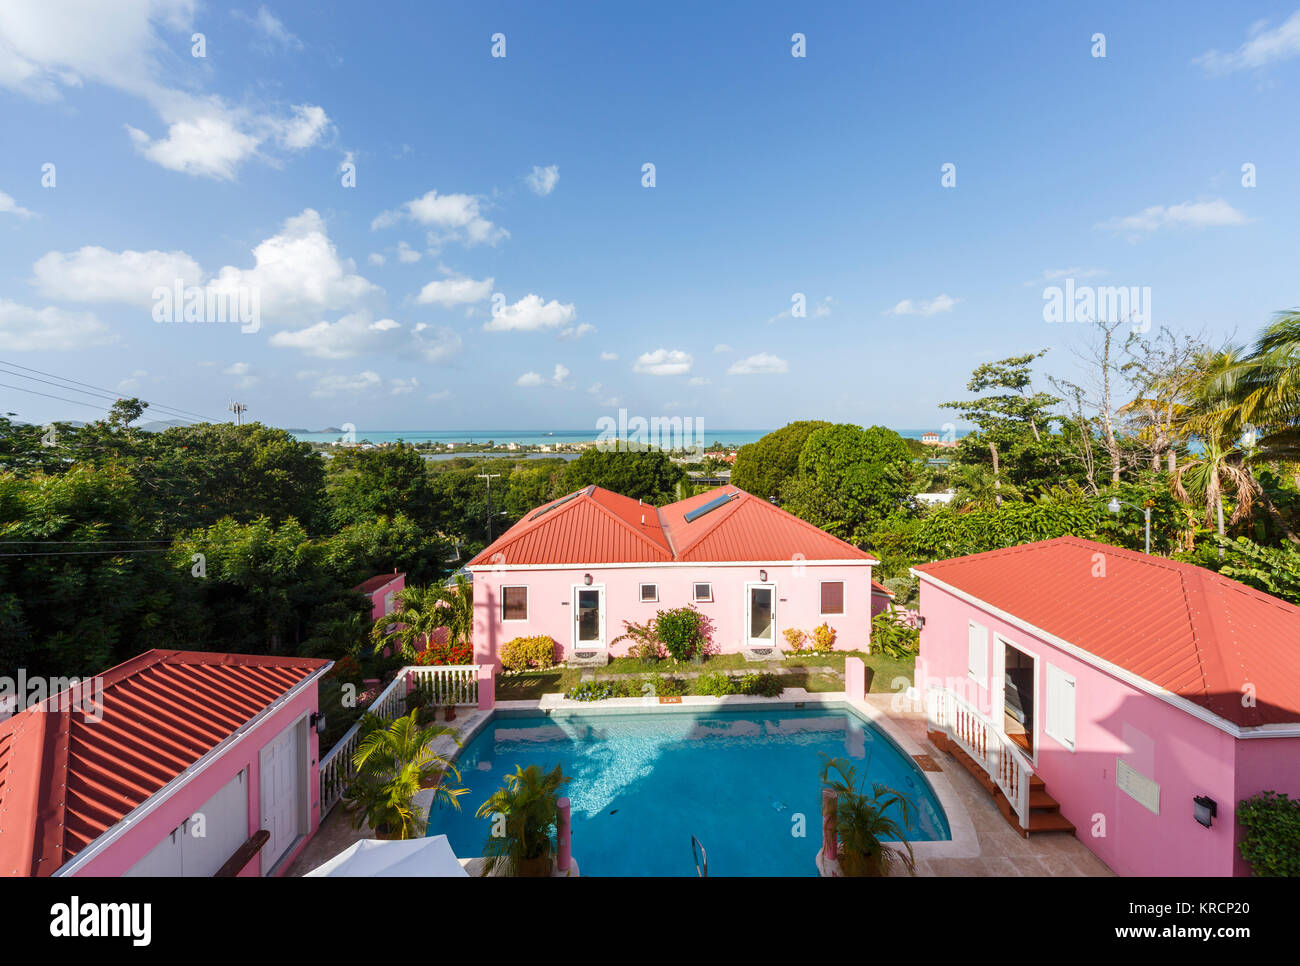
[[162, 407]]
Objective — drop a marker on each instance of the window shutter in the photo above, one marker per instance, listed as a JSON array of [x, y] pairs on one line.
[[833, 597], [1060, 706], [977, 663]]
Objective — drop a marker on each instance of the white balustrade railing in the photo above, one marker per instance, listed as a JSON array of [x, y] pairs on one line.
[[446, 685], [976, 735]]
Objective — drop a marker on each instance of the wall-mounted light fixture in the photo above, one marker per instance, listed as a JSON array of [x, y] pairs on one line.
[[762, 575], [318, 722], [920, 622], [1205, 809], [586, 579]]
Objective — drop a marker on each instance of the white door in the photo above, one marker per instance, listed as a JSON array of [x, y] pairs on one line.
[[205, 841], [281, 794], [760, 615], [588, 617]]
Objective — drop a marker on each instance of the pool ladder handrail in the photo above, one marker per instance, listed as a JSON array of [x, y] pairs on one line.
[[696, 843]]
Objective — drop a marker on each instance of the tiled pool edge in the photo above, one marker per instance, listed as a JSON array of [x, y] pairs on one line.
[[963, 842]]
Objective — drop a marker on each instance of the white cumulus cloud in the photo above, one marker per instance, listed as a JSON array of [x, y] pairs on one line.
[[761, 362], [531, 314], [543, 180], [664, 362]]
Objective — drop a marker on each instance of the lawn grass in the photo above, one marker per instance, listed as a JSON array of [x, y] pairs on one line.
[[814, 672]]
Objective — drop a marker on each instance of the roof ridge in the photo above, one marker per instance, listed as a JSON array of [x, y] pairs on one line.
[[737, 495], [628, 526]]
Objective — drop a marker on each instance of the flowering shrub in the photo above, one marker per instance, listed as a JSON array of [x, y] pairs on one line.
[[823, 639], [437, 655], [796, 638], [589, 691], [347, 669], [523, 653]]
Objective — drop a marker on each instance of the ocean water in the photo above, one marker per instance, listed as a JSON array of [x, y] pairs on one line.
[[746, 784], [729, 437]]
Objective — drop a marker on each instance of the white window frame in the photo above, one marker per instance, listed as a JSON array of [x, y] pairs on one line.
[[527, 604], [640, 591], [979, 675], [695, 586], [844, 599], [1056, 679]]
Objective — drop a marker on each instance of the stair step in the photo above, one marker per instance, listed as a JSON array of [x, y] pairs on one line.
[[1050, 822], [1038, 798]]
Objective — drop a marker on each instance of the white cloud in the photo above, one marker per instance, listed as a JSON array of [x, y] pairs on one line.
[[350, 336], [698, 381], [1052, 274], [94, 274], [11, 207], [401, 387], [453, 217], [1189, 214], [940, 303], [456, 291], [334, 384], [269, 28], [375, 258], [722, 347], [530, 314], [762, 362], [25, 329], [577, 331], [558, 378], [1263, 48], [543, 180], [664, 362], [245, 373], [46, 48], [434, 343], [440, 394], [132, 382], [407, 254], [608, 356]]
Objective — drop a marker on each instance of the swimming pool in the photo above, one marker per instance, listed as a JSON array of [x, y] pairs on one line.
[[643, 784]]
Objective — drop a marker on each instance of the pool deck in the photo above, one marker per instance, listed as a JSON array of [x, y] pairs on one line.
[[982, 842]]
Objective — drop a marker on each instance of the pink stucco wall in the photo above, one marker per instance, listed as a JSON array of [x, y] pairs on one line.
[[127, 850], [379, 605], [550, 608], [1114, 720]]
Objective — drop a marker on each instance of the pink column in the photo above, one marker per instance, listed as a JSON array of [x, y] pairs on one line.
[[487, 687], [830, 836], [563, 829], [855, 678]]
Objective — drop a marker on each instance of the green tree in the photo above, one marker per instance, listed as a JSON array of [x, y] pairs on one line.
[[364, 484], [650, 476], [849, 479], [763, 466]]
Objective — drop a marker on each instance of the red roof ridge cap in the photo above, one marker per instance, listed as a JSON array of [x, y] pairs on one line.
[[623, 523]]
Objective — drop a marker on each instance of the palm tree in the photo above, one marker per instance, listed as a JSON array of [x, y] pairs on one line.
[[523, 812], [863, 822], [393, 763], [422, 612], [975, 485], [1214, 417]]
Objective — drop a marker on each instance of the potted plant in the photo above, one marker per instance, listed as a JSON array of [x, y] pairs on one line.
[[523, 812], [863, 822], [393, 763]]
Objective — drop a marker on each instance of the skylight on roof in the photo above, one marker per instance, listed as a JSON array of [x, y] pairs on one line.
[[709, 507], [548, 509]]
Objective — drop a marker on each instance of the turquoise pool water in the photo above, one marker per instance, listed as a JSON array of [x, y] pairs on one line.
[[643, 784]]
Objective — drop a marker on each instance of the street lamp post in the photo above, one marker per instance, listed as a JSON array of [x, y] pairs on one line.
[[1114, 505], [489, 477]]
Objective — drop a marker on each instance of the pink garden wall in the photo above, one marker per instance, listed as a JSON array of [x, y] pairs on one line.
[[550, 608], [1115, 721], [127, 850]]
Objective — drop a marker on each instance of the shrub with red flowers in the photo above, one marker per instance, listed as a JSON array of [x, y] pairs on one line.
[[437, 655]]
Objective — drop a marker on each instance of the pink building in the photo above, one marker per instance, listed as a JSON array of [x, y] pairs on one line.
[[578, 568], [382, 591], [1128, 699], [166, 765]]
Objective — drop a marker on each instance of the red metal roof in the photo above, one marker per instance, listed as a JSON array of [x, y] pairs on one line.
[[371, 584], [1183, 628], [597, 526], [65, 780]]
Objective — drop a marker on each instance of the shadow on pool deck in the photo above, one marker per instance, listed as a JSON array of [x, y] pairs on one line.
[[1002, 851]]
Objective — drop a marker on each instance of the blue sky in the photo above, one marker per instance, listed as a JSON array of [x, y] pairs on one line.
[[522, 176]]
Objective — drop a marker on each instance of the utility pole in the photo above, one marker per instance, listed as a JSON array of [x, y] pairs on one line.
[[489, 477], [238, 409]]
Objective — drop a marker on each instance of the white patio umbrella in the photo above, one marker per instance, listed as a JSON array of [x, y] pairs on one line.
[[424, 857]]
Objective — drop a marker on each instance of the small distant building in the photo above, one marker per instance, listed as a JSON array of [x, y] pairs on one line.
[[382, 591], [930, 439]]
